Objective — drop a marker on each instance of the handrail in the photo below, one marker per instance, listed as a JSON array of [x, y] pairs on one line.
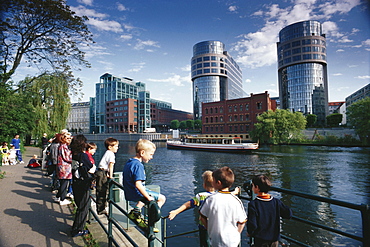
[[112, 221]]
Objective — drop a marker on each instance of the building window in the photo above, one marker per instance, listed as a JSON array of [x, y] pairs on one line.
[[229, 108], [247, 107], [259, 105], [211, 110], [230, 128], [241, 117], [221, 119], [235, 108], [206, 110], [216, 109], [221, 109], [230, 119], [236, 118], [216, 119], [206, 120], [247, 117], [211, 119], [236, 128]]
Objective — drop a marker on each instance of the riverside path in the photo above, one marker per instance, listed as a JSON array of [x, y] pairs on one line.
[[28, 215]]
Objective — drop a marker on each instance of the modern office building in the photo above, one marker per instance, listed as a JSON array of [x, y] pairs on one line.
[[111, 88], [234, 117], [215, 75], [78, 118], [302, 69], [358, 95]]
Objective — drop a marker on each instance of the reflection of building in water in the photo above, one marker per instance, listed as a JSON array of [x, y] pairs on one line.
[[302, 73]]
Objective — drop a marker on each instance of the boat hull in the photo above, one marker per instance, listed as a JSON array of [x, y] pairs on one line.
[[213, 147]]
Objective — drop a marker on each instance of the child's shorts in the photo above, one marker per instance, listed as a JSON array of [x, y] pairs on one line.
[[153, 194]]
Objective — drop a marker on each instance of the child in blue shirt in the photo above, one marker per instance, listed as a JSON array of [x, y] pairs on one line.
[[134, 180]]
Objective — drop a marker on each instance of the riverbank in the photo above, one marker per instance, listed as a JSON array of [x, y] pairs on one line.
[[29, 215]]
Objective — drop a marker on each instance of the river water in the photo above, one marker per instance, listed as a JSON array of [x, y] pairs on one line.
[[334, 172]]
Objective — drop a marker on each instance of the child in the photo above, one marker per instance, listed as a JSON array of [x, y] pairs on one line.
[[33, 163], [90, 151], [4, 154], [264, 214], [222, 213], [196, 202], [134, 180], [12, 155], [105, 171]]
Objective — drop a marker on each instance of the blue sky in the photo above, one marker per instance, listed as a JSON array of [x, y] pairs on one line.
[[152, 40]]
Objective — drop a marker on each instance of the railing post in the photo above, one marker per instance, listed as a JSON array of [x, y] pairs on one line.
[[365, 215], [110, 214]]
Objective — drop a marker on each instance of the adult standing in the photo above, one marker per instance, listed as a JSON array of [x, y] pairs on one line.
[[44, 142], [81, 184], [17, 144], [64, 168]]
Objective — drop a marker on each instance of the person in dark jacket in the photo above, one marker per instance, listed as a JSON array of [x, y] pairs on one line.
[[81, 184], [264, 214]]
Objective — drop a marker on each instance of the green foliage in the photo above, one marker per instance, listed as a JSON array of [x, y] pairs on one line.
[[44, 33], [358, 115], [333, 120], [182, 125], [190, 124], [198, 124], [2, 174], [175, 124], [277, 127], [311, 120]]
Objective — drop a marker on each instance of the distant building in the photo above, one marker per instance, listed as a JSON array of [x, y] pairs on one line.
[[302, 69], [215, 75], [338, 107], [122, 116], [358, 95], [234, 117], [78, 118], [111, 88]]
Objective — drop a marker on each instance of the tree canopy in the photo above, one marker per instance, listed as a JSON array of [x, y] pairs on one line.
[[333, 120], [278, 126], [42, 33], [358, 115]]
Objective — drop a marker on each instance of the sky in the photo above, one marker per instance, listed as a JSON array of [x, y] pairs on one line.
[[152, 41]]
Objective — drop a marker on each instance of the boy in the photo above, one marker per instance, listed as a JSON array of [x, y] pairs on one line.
[[134, 180], [196, 202], [222, 213], [105, 171], [264, 214]]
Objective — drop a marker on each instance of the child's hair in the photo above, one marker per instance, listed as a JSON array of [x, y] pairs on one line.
[[78, 144], [91, 145], [144, 144], [110, 141], [4, 143], [263, 183], [207, 179], [34, 156], [225, 175]]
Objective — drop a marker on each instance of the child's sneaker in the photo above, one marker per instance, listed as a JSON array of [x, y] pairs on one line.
[[135, 215]]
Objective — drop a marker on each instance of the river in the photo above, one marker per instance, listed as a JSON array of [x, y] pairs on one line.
[[334, 172]]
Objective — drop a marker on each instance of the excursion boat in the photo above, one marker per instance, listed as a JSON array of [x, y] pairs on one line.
[[217, 144]]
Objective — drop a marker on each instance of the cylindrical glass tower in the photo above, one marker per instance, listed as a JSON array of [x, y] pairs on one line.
[[215, 75], [302, 72]]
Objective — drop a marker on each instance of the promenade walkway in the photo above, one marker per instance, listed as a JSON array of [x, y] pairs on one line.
[[28, 215]]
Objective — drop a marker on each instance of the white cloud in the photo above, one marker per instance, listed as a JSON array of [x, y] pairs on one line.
[[86, 2], [345, 39], [175, 80], [141, 44], [258, 49], [248, 80], [105, 25], [82, 10], [136, 67], [233, 8], [95, 50], [121, 7], [126, 36], [337, 74], [340, 50], [342, 89], [108, 66], [366, 42], [362, 77], [186, 68]]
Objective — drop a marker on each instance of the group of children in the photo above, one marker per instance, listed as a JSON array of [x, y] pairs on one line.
[[222, 214], [8, 155]]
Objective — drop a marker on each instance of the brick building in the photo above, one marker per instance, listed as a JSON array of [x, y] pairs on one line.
[[121, 115], [162, 117], [234, 117]]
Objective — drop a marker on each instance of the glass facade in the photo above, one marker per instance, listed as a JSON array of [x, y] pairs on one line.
[[215, 75], [302, 73]]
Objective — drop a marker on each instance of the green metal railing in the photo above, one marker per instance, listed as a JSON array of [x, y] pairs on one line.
[[362, 208]]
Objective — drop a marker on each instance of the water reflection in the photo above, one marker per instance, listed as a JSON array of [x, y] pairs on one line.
[[339, 173]]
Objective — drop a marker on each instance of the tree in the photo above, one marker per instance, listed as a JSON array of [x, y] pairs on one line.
[[175, 124], [358, 115], [311, 120], [44, 33], [48, 95], [198, 124], [190, 124], [278, 127], [333, 120], [182, 125]]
